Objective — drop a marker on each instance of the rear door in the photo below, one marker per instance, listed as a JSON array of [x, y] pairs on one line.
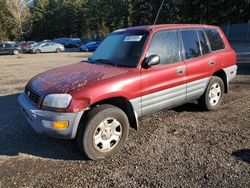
[[200, 63], [52, 47], [163, 85], [218, 48]]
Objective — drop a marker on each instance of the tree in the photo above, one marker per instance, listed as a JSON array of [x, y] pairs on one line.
[[3, 17], [20, 16], [87, 18], [61, 18]]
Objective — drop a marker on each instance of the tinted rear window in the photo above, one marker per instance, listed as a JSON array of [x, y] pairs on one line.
[[215, 39], [190, 43]]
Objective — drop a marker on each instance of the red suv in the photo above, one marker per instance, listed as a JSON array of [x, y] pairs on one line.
[[134, 72]]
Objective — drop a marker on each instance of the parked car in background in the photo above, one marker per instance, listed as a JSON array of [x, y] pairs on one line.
[[26, 44], [28, 49], [89, 47], [73, 43], [62, 41], [46, 47], [11, 42], [9, 48]]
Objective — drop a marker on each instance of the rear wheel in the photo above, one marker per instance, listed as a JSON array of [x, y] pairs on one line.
[[15, 52], [103, 132], [212, 97], [58, 50]]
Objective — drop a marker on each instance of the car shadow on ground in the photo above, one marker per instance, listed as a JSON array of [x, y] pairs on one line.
[[17, 137], [243, 155], [189, 107]]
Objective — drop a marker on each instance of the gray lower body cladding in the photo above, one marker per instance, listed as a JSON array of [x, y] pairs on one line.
[[169, 97]]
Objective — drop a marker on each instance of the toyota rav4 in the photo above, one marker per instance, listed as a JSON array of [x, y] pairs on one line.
[[134, 72]]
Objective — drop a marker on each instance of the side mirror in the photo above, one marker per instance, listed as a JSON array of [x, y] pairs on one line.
[[151, 61]]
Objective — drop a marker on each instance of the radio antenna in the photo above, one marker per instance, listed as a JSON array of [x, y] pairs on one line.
[[156, 18]]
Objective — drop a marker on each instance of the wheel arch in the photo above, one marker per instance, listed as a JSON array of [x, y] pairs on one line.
[[122, 103], [38, 49], [221, 74]]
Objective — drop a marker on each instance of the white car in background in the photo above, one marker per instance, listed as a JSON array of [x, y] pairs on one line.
[[46, 47]]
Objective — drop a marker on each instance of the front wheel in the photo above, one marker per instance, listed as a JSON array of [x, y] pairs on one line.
[[58, 50], [38, 51], [103, 132], [15, 52], [212, 97]]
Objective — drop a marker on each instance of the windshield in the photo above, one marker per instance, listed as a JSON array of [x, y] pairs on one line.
[[43, 44], [35, 44], [89, 43], [121, 48]]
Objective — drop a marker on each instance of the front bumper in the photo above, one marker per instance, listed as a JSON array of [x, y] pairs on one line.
[[42, 120]]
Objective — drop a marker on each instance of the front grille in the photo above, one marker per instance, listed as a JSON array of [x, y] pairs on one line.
[[33, 96]]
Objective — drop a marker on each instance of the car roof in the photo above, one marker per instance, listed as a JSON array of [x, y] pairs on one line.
[[167, 26]]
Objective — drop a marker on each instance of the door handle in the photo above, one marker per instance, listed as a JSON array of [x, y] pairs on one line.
[[211, 63], [180, 71]]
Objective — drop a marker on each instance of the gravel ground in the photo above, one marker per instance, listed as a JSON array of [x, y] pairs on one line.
[[182, 147]]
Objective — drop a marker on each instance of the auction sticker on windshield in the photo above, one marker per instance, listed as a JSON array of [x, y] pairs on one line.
[[135, 38]]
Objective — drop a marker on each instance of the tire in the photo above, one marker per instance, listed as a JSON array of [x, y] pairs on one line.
[[103, 132], [38, 51], [86, 50], [212, 97], [16, 52], [58, 50]]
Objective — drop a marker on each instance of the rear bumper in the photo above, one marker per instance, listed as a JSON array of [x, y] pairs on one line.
[[42, 120], [231, 72]]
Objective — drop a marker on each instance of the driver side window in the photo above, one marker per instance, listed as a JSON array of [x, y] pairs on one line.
[[166, 45]]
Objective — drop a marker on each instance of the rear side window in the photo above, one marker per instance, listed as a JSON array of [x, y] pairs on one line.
[[191, 43], [203, 42], [215, 39], [166, 45]]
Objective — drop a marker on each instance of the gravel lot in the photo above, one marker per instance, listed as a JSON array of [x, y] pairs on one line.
[[182, 147]]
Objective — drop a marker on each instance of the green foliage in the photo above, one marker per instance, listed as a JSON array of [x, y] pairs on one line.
[[87, 18], [62, 18], [7, 25], [3, 18]]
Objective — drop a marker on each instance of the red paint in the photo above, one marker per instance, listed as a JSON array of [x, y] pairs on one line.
[[90, 83]]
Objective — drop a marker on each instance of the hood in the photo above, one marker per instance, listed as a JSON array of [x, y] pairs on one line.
[[71, 77]]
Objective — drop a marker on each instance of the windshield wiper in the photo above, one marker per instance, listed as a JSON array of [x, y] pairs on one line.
[[106, 61]]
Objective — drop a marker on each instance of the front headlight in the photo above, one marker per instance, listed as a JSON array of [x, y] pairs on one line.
[[57, 100]]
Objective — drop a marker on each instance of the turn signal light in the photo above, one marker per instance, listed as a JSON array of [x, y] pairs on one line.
[[60, 124]]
